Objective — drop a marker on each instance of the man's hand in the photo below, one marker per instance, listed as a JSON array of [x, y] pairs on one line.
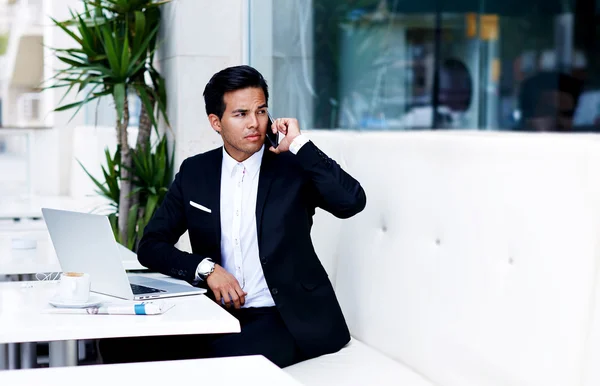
[[225, 286], [290, 128]]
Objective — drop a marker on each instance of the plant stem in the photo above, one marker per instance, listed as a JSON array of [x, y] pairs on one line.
[[145, 126], [143, 141], [125, 180]]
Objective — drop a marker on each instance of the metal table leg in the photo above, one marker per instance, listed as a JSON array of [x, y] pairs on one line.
[[63, 353], [28, 355], [3, 357], [81, 350], [14, 356]]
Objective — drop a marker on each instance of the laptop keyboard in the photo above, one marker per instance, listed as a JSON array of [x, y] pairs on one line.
[[142, 289]]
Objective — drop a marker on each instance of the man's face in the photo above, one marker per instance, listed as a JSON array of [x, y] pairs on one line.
[[244, 122]]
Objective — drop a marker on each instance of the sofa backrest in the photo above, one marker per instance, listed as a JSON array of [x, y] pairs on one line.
[[476, 259]]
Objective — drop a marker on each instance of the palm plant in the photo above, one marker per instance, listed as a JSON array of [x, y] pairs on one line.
[[115, 42]]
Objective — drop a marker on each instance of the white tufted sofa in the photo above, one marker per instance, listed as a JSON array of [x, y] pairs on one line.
[[476, 261]]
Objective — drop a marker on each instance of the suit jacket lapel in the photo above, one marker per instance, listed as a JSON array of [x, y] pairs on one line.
[[267, 169], [213, 189]]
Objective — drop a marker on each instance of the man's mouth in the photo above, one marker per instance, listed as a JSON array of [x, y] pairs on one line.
[[253, 137]]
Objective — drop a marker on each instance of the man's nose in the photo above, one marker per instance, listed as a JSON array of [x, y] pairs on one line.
[[253, 120]]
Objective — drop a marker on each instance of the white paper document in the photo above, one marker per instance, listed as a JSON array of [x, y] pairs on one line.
[[143, 308]]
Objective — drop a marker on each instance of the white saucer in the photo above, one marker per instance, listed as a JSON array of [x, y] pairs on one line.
[[93, 301]]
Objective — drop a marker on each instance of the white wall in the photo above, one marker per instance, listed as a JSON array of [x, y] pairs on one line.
[[200, 38]]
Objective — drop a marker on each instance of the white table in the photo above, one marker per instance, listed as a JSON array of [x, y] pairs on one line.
[[24, 317], [245, 370], [36, 263]]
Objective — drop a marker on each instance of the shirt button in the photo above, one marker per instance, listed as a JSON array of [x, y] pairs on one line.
[[263, 260], [274, 291]]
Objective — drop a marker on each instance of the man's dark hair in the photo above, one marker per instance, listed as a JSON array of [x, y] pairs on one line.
[[231, 79]]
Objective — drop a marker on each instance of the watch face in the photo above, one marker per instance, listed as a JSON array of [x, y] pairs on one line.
[[206, 267]]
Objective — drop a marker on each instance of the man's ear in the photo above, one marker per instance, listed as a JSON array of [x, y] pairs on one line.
[[215, 122]]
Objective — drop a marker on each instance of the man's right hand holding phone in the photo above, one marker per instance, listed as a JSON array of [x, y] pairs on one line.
[[288, 127]]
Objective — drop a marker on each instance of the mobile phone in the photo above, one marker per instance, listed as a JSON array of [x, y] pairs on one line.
[[273, 138]]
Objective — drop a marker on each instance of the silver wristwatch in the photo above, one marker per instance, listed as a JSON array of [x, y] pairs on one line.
[[205, 268]]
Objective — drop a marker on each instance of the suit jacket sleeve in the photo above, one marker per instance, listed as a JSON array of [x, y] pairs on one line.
[[335, 190], [157, 248]]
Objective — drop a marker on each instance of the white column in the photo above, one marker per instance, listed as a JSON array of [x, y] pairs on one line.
[[199, 38]]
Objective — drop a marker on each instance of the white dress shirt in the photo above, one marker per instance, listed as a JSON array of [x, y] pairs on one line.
[[239, 240]]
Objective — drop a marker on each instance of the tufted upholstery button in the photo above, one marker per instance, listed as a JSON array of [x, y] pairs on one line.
[[438, 241], [384, 228], [274, 291]]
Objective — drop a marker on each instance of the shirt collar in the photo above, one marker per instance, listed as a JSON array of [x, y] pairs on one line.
[[252, 164]]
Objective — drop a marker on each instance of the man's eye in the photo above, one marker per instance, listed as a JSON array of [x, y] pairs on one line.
[[262, 111]]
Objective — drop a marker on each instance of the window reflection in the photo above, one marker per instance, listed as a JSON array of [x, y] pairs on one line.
[[548, 101], [525, 65]]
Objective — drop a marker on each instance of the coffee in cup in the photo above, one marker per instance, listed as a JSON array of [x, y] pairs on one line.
[[74, 287]]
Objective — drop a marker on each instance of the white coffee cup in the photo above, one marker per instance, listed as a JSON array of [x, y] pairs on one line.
[[74, 287]]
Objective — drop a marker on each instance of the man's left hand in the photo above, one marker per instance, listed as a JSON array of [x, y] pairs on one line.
[[290, 128]]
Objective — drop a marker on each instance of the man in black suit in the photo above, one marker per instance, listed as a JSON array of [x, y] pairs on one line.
[[249, 212]]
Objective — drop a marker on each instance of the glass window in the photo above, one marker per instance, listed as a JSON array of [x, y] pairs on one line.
[[398, 65]]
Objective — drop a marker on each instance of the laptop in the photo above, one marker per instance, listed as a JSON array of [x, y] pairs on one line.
[[85, 242]]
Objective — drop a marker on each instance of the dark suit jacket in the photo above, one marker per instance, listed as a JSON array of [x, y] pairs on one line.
[[290, 187]]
